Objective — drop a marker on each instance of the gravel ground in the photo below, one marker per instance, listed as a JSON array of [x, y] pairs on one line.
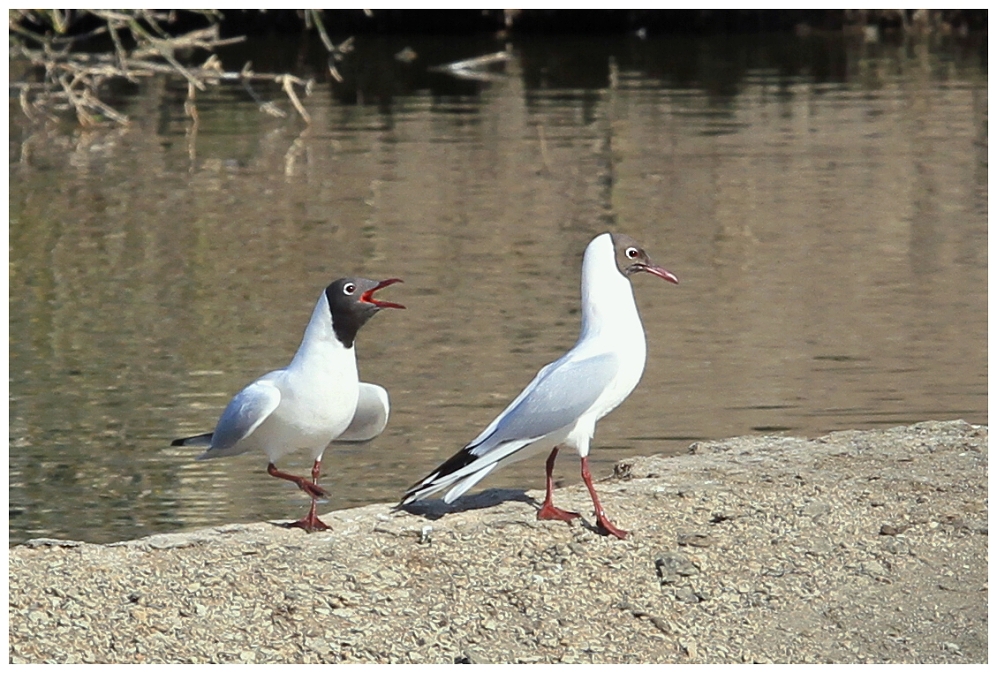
[[853, 547]]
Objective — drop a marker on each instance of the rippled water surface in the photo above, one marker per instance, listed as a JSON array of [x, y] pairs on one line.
[[823, 203]]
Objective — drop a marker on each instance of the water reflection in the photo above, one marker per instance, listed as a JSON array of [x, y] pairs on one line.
[[825, 206]]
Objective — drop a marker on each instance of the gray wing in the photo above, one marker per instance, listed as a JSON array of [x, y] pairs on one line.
[[560, 393], [371, 416], [241, 417]]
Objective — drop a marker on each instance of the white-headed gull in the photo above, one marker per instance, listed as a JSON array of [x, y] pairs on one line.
[[316, 399], [562, 403]]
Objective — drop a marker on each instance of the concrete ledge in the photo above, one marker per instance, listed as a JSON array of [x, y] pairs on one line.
[[860, 546]]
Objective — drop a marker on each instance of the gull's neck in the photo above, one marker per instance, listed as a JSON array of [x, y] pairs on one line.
[[320, 348], [608, 306]]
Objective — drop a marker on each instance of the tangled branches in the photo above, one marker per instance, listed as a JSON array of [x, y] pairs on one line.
[[139, 46]]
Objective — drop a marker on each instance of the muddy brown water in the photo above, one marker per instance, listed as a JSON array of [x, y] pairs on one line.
[[824, 204]]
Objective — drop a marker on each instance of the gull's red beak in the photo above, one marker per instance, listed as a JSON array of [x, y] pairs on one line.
[[660, 273], [368, 296]]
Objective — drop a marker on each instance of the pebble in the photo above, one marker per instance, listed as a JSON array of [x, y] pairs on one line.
[[673, 565], [874, 568], [686, 595], [694, 540], [815, 509]]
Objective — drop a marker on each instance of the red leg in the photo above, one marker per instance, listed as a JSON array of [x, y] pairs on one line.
[[600, 515], [547, 510], [311, 522], [311, 488]]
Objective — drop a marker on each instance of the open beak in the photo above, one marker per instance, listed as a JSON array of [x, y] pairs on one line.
[[660, 273], [368, 296]]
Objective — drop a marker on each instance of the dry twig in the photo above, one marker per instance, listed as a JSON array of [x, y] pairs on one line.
[[74, 80]]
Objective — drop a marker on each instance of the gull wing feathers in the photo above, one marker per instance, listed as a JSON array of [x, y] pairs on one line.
[[242, 416], [559, 394], [371, 415]]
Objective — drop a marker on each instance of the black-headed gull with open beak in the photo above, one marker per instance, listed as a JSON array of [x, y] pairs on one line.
[[316, 399], [562, 403]]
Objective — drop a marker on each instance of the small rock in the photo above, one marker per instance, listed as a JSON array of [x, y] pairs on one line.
[[470, 657], [673, 565], [388, 575], [896, 547], [317, 644], [695, 540], [874, 568], [892, 529], [686, 595], [815, 509]]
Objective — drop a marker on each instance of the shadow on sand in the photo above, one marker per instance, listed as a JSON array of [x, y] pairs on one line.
[[436, 509]]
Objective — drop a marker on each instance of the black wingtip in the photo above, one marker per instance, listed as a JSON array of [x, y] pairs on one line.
[[461, 459], [413, 493], [458, 461], [196, 440]]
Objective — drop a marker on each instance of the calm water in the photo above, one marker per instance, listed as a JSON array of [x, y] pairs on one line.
[[823, 203]]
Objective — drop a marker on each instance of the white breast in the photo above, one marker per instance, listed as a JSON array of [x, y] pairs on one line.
[[319, 392]]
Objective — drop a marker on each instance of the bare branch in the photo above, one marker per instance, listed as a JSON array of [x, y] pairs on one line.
[[120, 51], [72, 79], [289, 82], [316, 15], [190, 105]]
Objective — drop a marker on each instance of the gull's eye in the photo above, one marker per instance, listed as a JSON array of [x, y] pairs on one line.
[[349, 288], [632, 252]]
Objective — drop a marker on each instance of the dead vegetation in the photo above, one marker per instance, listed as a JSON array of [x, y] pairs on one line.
[[66, 65]]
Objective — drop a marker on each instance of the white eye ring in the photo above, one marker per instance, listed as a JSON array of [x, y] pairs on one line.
[[349, 288], [631, 252]]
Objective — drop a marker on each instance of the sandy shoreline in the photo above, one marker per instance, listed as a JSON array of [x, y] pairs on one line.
[[860, 546]]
